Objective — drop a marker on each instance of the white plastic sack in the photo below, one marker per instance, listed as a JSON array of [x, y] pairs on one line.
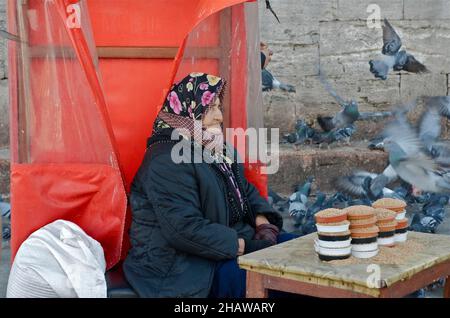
[[58, 260]]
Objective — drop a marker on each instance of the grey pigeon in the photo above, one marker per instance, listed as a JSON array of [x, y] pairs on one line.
[[338, 134], [303, 132], [393, 57], [360, 184], [344, 118], [269, 82], [418, 169], [5, 209]]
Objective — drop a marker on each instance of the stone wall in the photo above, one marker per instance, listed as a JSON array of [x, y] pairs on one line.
[[334, 35], [4, 110]]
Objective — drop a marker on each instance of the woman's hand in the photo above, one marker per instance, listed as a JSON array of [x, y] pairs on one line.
[[241, 249], [267, 232], [261, 219]]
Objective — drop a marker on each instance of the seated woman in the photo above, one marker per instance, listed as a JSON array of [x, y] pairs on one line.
[[191, 220]]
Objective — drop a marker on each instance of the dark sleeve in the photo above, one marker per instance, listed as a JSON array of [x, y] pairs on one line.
[[258, 204], [173, 191]]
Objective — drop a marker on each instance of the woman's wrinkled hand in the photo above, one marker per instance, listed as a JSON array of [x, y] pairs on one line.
[[267, 232]]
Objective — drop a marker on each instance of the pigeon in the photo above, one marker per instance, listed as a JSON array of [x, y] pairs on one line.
[[340, 134], [377, 143], [5, 209], [344, 118], [269, 82], [435, 206], [353, 184], [6, 232], [411, 163], [303, 132], [424, 224], [419, 170], [299, 199], [269, 7], [366, 185], [393, 57]]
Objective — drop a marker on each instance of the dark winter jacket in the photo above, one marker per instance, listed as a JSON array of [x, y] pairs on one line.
[[180, 224]]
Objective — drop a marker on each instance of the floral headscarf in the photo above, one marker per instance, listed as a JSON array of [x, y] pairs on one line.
[[187, 102]]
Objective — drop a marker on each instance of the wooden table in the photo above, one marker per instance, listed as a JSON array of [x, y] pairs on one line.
[[294, 267]]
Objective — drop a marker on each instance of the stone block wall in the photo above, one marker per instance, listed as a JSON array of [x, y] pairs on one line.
[[4, 110], [333, 35]]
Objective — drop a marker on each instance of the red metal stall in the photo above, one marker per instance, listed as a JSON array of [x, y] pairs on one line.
[[86, 83]]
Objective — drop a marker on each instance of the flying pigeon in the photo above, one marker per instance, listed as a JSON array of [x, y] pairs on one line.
[[417, 169], [344, 118], [393, 57]]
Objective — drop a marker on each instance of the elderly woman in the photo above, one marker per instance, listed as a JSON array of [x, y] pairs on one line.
[[191, 220]]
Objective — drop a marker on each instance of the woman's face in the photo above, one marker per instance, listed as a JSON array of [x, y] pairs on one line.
[[213, 118]]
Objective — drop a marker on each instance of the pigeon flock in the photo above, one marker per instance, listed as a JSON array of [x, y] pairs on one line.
[[418, 171], [418, 168]]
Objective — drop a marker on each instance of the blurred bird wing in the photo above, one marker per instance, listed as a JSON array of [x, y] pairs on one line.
[[390, 173], [440, 102], [414, 66], [330, 89], [418, 171], [430, 126], [352, 184], [401, 132], [389, 35], [419, 165]]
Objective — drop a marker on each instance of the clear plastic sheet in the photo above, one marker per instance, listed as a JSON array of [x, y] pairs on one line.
[[63, 155]]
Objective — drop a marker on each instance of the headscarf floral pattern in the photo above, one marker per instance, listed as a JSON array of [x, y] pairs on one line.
[[190, 97]]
